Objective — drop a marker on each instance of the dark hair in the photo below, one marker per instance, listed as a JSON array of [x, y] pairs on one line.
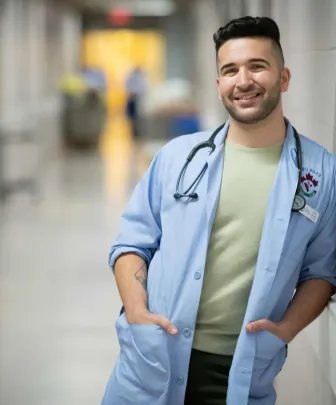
[[248, 27]]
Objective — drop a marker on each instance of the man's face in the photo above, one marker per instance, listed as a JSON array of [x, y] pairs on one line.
[[251, 78]]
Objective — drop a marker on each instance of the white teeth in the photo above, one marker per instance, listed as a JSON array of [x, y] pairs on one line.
[[248, 97]]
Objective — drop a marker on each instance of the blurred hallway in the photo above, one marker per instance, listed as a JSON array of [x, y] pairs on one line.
[[58, 299]]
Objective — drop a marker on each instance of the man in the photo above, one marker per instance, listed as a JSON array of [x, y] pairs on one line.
[[215, 287], [136, 87]]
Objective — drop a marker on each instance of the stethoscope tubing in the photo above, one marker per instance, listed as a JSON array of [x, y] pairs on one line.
[[299, 201]]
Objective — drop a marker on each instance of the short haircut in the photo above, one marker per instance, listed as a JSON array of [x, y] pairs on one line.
[[250, 27]]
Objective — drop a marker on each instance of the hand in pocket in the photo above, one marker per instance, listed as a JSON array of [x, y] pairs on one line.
[[280, 329], [148, 318]]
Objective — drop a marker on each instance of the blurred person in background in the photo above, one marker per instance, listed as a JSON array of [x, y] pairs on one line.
[[136, 88], [217, 276]]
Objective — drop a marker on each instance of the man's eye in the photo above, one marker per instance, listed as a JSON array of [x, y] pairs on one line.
[[257, 66], [228, 72]]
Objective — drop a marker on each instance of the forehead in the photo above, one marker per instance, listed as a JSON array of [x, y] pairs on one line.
[[240, 50]]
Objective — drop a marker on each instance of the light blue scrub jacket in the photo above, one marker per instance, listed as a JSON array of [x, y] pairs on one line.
[[172, 237]]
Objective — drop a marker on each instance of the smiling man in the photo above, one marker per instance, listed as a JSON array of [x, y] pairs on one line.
[[262, 77], [217, 275], [251, 79]]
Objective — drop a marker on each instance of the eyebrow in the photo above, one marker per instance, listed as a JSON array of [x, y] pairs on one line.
[[253, 60]]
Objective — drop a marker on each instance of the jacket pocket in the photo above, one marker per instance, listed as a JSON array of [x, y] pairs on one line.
[[144, 361], [271, 353]]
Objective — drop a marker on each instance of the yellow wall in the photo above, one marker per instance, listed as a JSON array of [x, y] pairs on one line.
[[117, 51]]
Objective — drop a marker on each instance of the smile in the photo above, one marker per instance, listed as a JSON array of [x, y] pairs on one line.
[[248, 97]]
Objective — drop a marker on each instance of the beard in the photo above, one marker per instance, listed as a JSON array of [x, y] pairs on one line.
[[265, 108]]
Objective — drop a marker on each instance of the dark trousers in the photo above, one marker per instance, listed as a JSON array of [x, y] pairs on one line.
[[208, 379], [133, 115]]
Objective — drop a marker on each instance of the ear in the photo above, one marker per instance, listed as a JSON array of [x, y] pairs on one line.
[[285, 79], [218, 89]]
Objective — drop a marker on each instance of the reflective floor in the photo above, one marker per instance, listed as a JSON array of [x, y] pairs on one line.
[[58, 297]]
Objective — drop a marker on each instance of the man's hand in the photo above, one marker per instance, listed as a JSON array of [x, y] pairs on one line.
[[145, 317], [310, 299], [279, 329]]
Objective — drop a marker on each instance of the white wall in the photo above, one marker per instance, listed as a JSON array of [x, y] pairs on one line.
[[309, 39], [71, 33], [8, 58], [40, 41], [177, 29], [206, 20]]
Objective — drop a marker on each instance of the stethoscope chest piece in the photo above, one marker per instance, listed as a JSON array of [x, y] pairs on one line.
[[299, 203]]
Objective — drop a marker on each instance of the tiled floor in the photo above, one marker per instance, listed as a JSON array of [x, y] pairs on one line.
[[58, 299]]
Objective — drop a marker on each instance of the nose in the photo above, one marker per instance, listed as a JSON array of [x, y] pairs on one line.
[[244, 79]]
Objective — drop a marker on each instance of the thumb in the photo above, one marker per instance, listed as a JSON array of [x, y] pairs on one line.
[[165, 324], [261, 324]]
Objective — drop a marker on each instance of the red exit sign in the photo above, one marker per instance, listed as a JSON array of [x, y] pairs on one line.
[[119, 16]]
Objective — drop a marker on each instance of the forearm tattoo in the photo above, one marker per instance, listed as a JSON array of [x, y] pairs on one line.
[[141, 276]]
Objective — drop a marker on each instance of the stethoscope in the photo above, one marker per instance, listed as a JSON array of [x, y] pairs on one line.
[[299, 201]]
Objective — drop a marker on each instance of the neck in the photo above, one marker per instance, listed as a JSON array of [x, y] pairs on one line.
[[258, 135]]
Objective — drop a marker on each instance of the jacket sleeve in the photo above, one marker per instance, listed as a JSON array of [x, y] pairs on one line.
[[320, 257], [140, 225]]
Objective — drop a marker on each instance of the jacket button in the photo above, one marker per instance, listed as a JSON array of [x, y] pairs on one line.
[[179, 380], [197, 275], [186, 332]]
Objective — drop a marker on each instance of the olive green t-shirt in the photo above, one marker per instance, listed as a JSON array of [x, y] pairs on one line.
[[247, 180]]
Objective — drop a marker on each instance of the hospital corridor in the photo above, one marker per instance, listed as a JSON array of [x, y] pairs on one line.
[[89, 94], [58, 299]]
